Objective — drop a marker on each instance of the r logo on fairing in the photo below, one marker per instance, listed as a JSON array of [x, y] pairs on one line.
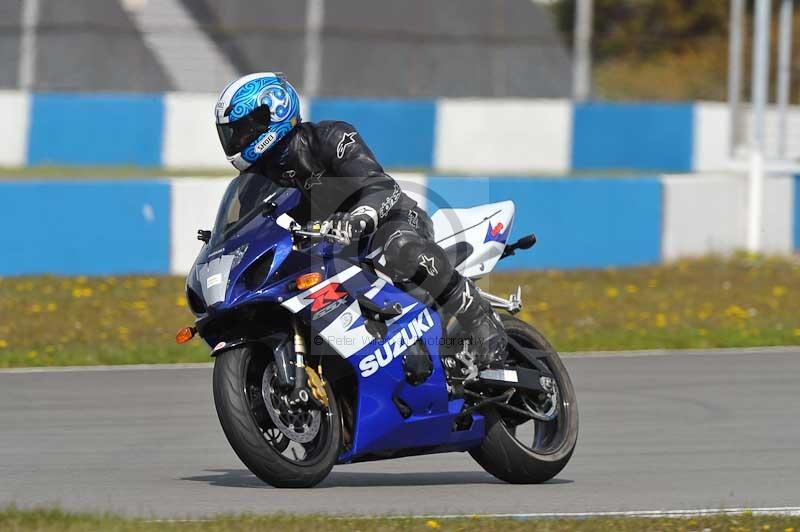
[[325, 296], [397, 344]]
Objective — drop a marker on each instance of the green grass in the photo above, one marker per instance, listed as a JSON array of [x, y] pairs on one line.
[[14, 520], [742, 301], [713, 302], [107, 172]]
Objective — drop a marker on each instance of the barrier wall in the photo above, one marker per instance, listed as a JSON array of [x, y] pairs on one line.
[[102, 129], [645, 136], [708, 215], [797, 213], [579, 222], [117, 227], [86, 227], [524, 136]]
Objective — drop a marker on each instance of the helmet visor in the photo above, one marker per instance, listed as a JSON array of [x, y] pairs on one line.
[[236, 135]]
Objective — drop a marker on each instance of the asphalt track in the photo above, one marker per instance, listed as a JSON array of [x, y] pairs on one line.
[[658, 432]]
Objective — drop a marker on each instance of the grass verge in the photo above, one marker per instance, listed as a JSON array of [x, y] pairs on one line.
[[16, 520], [741, 301]]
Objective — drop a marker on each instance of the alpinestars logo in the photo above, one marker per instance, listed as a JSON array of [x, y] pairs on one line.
[[314, 179], [429, 264], [325, 295], [397, 344], [466, 298], [347, 140]]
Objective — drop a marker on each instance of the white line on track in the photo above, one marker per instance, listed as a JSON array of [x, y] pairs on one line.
[[791, 511], [772, 350], [767, 350], [781, 510]]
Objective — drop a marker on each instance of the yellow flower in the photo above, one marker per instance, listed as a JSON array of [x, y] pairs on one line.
[[78, 293], [149, 282], [52, 307], [797, 332], [3, 344], [139, 305], [790, 529], [778, 291], [612, 292], [123, 331], [631, 288], [702, 332], [765, 527], [36, 308], [33, 354], [180, 301], [661, 320], [652, 283], [542, 306], [735, 311], [432, 524]]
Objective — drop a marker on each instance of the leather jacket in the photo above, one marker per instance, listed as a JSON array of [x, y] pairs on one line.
[[334, 170]]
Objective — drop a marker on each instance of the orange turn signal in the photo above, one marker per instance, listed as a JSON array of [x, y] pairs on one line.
[[185, 334], [307, 280]]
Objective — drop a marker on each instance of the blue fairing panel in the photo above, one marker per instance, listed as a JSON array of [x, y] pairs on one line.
[[379, 370]]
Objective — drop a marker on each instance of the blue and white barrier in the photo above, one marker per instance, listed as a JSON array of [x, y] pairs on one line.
[[149, 226], [14, 133], [175, 130]]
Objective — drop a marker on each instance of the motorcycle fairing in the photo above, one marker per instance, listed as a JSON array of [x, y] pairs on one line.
[[483, 230], [379, 426]]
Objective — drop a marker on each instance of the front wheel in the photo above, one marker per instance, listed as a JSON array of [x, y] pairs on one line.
[[518, 449], [285, 447]]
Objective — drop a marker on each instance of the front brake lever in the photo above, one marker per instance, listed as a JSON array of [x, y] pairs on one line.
[[328, 237]]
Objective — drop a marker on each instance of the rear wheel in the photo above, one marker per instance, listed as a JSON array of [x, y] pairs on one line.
[[519, 449], [285, 447]]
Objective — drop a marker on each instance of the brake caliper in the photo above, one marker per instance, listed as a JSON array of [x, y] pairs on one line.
[[317, 386]]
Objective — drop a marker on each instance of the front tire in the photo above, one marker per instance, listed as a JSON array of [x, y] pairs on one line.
[[504, 453], [254, 436]]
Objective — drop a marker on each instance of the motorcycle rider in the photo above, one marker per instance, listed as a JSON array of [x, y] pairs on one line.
[[259, 126]]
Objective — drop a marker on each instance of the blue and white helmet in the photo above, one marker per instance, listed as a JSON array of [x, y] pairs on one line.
[[253, 113]]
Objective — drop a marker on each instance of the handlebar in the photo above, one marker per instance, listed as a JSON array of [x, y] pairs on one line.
[[327, 237]]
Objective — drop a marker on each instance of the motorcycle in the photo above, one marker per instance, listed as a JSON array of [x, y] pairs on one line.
[[320, 360]]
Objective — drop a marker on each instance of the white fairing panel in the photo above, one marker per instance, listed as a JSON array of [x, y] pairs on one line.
[[485, 228]]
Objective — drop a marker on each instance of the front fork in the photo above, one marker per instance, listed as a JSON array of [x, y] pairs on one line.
[[293, 375], [300, 392]]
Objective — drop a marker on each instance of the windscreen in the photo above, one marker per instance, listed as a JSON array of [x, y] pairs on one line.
[[242, 201]]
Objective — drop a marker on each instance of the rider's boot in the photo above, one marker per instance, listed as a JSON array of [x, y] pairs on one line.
[[476, 316]]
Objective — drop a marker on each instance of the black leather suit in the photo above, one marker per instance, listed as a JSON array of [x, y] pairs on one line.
[[335, 171]]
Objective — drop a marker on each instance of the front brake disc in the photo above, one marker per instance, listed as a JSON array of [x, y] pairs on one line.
[[299, 424]]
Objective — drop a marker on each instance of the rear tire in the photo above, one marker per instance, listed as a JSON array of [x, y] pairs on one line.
[[246, 427], [501, 454]]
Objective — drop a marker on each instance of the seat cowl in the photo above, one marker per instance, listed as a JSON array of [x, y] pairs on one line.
[[485, 228]]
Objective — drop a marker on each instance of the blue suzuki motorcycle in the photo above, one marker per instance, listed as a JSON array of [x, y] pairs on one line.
[[320, 360]]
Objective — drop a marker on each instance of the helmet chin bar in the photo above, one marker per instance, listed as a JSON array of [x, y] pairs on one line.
[[239, 162]]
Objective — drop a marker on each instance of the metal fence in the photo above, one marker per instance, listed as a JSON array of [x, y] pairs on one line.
[[354, 48]]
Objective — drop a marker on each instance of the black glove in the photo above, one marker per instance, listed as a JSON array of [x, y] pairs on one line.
[[349, 226]]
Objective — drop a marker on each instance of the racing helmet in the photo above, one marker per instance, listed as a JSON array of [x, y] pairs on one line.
[[253, 113]]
